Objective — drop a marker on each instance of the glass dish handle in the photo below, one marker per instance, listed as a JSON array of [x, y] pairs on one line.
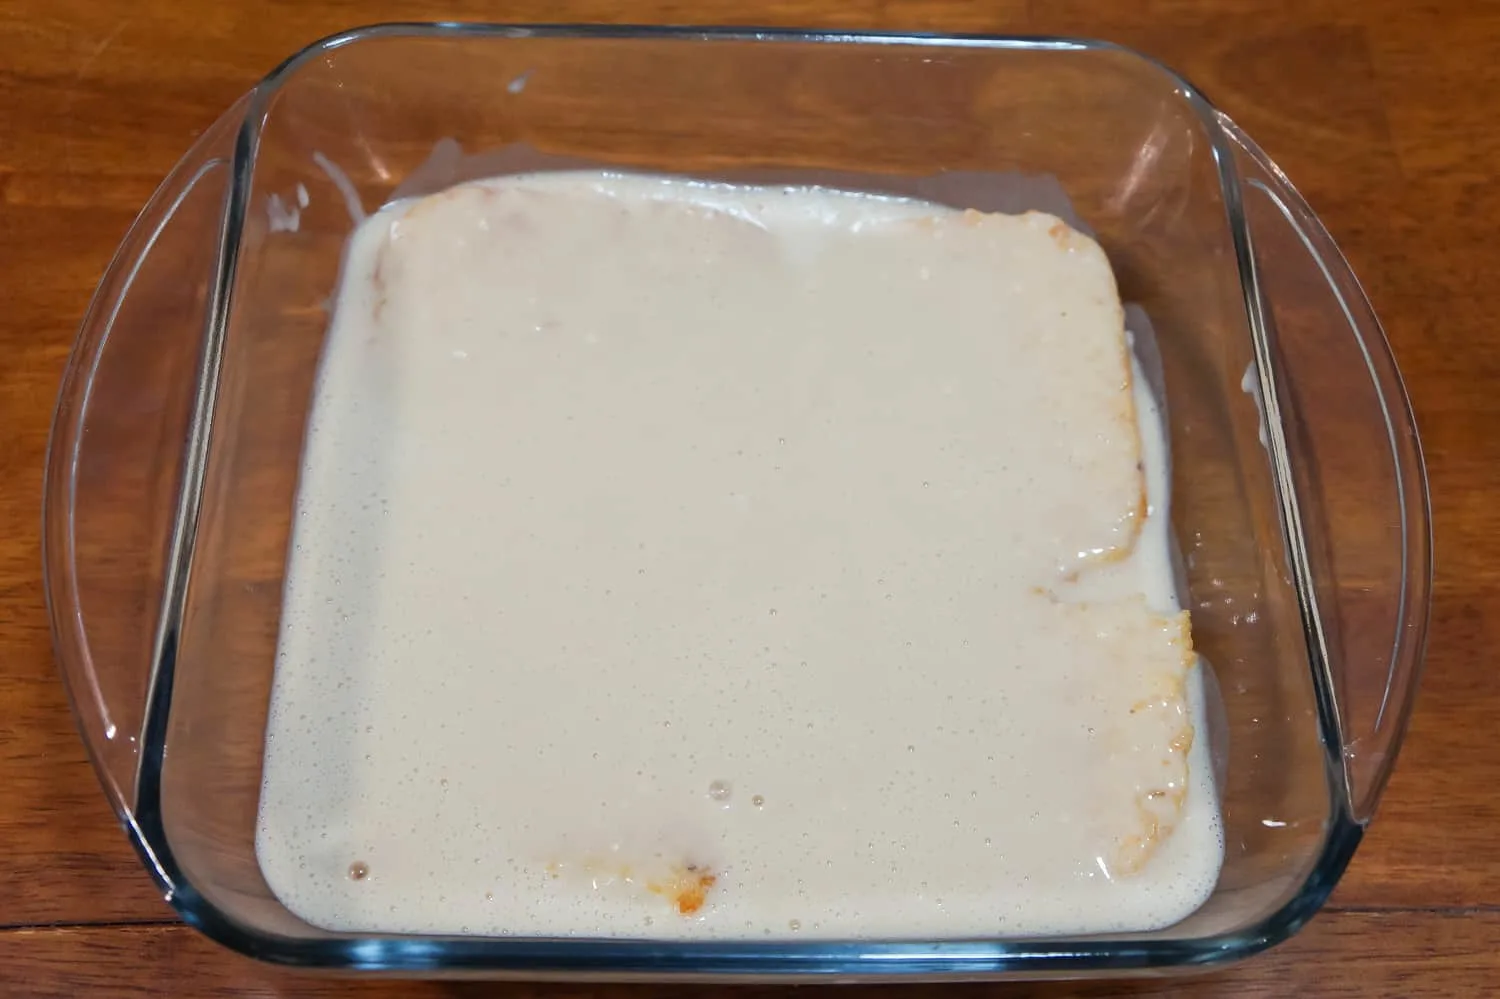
[[1355, 466], [114, 462]]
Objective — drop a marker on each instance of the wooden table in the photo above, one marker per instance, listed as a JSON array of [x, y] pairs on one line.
[[1383, 111]]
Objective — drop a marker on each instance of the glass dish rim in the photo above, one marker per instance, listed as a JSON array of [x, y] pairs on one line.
[[782, 960]]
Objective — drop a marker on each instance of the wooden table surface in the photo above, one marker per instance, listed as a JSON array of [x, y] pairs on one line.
[[1382, 111]]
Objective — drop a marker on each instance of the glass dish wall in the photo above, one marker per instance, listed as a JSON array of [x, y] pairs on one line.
[[1298, 495]]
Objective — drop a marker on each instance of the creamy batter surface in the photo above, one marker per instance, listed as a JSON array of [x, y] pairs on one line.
[[679, 560]]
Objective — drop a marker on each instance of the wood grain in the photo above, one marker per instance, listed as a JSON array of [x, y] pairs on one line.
[[1401, 955], [1382, 112]]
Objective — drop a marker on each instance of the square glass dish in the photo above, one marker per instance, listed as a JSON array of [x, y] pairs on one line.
[[1299, 498]]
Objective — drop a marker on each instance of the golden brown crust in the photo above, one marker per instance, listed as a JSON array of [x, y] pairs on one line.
[[687, 887], [1159, 805], [1133, 516], [686, 884]]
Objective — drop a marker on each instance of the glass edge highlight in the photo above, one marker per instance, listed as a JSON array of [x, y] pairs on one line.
[[780, 961]]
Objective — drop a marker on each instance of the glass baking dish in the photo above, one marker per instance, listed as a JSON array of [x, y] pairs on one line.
[[1299, 497]]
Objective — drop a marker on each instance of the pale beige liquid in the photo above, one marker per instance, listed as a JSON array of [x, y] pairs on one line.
[[688, 561]]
